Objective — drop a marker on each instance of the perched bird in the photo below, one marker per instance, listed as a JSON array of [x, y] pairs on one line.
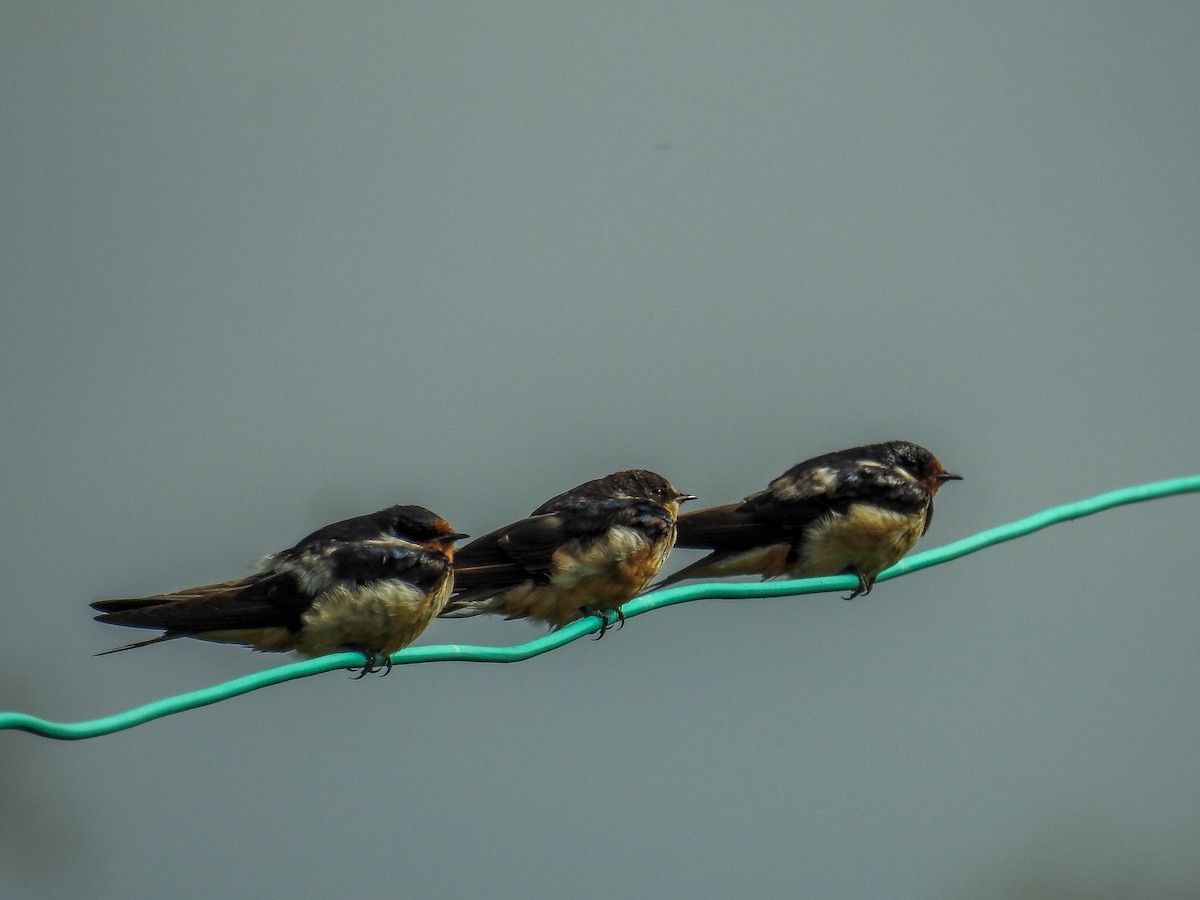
[[369, 584], [854, 512], [585, 551]]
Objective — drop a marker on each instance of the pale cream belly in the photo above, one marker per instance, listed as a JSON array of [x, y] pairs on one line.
[[865, 539], [601, 577], [382, 617]]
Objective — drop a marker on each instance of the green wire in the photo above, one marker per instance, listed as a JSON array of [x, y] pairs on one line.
[[74, 731]]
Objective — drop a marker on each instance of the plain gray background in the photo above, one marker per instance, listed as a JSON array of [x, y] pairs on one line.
[[271, 265]]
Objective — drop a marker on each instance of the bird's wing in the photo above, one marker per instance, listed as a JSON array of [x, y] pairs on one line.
[[726, 527], [322, 564], [525, 549], [808, 491], [260, 601], [277, 596]]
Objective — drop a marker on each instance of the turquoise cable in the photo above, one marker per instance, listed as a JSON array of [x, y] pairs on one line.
[[74, 731]]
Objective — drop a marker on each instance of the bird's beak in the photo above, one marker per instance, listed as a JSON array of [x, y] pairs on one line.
[[455, 536], [949, 476], [684, 498]]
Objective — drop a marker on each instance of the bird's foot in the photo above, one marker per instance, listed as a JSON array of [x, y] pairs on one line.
[[372, 662], [603, 616], [864, 586]]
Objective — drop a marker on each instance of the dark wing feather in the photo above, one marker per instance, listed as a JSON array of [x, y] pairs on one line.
[[326, 563], [278, 596], [525, 549], [808, 491], [126, 604], [261, 601], [510, 555], [793, 501], [727, 527]]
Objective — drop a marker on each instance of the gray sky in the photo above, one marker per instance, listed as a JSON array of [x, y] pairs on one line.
[[269, 266]]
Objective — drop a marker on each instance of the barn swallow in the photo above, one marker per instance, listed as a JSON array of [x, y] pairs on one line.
[[582, 553], [369, 584], [851, 512]]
